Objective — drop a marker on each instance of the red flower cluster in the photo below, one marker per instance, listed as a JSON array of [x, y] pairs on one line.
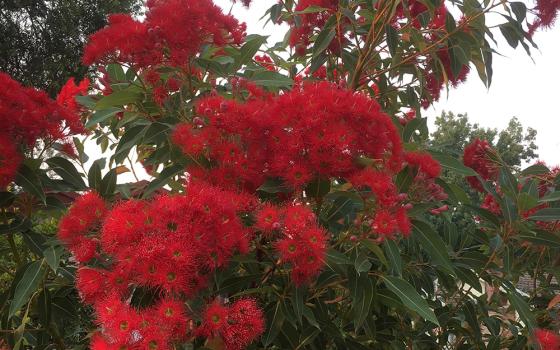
[[316, 130], [547, 12], [435, 79], [237, 325], [172, 33], [547, 340], [301, 242], [477, 156], [28, 114], [301, 32], [171, 244]]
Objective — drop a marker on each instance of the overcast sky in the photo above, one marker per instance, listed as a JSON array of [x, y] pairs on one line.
[[521, 88]]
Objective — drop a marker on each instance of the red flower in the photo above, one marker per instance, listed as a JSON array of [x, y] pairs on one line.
[[477, 156], [548, 340], [424, 162], [67, 96], [245, 323], [166, 36], [214, 320], [10, 160]]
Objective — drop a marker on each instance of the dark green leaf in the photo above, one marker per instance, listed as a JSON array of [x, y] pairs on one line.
[[392, 39], [30, 182], [101, 115], [275, 321], [432, 243], [29, 283], [163, 179], [94, 176], [520, 306], [119, 99], [67, 171], [108, 184], [541, 238], [271, 79], [410, 297], [394, 254], [130, 139], [546, 214], [450, 163], [250, 48], [324, 38]]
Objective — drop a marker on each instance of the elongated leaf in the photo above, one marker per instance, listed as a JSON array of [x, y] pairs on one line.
[[551, 197], [52, 256], [520, 306], [536, 169], [30, 182], [130, 139], [323, 40], [108, 184], [272, 79], [410, 297], [276, 319], [298, 302], [250, 48], [100, 116], [94, 176], [453, 164], [394, 255], [434, 245], [164, 177], [118, 98], [546, 214], [392, 39], [541, 238], [67, 171], [29, 283]]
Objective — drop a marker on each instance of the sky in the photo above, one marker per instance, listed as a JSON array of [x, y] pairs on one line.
[[522, 87]]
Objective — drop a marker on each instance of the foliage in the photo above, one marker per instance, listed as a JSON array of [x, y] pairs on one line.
[[41, 42], [304, 218]]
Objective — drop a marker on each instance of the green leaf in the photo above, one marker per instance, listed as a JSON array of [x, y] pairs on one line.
[[276, 320], [130, 139], [109, 184], [29, 283], [156, 133], [30, 182], [324, 38], [541, 238], [363, 295], [250, 48], [362, 263], [546, 214], [392, 39], [298, 302], [94, 176], [36, 242], [67, 171], [274, 186], [432, 243], [551, 197], [450, 163], [52, 256], [318, 188], [163, 179], [375, 249], [410, 297], [519, 9], [119, 99], [44, 306], [100, 116], [520, 306], [116, 72], [394, 254], [537, 169], [271, 79]]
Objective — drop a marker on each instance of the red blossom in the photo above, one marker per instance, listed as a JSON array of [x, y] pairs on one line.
[[547, 340], [477, 156]]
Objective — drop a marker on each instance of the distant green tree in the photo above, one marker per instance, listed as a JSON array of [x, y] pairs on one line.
[[41, 41], [514, 144]]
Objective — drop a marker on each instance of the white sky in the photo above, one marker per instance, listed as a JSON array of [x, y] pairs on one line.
[[520, 87]]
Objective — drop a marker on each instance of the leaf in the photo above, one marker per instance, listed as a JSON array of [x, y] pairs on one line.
[[452, 164], [541, 238], [36, 242], [52, 256], [318, 188], [116, 72], [44, 306], [509, 209], [519, 9], [276, 320], [551, 197], [375, 249], [30, 182], [537, 169], [274, 186], [520, 306], [163, 178], [67, 171], [250, 48], [392, 39], [118, 99], [156, 133], [94, 176], [325, 37], [432, 243], [362, 263], [361, 305], [394, 255], [29, 283], [271, 79], [108, 184], [298, 302], [410, 297], [546, 214], [100, 116], [130, 139]]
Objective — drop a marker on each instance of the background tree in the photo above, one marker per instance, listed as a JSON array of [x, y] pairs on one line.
[[41, 42], [515, 144]]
